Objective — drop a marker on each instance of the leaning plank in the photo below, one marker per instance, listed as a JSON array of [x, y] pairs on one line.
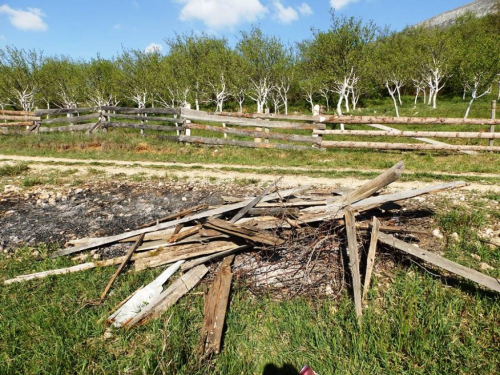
[[333, 212], [421, 139], [127, 258], [251, 204], [427, 256], [232, 142], [406, 146], [182, 253], [352, 247], [370, 261], [60, 111], [216, 302], [217, 211], [384, 179], [142, 298], [188, 265], [171, 295], [251, 234]]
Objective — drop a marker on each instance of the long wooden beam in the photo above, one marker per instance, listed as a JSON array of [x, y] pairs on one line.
[[468, 273], [406, 146], [256, 134], [16, 113], [410, 133], [91, 116], [19, 118], [408, 120], [232, 142]]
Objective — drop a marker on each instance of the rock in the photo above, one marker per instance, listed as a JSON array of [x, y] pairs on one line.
[[455, 237], [10, 189], [437, 233], [485, 266], [475, 256]]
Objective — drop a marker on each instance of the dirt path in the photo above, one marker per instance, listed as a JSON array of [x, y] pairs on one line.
[[215, 171]]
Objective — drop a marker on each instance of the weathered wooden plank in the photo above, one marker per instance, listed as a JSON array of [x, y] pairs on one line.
[[131, 125], [164, 111], [92, 116], [16, 113], [25, 123], [251, 204], [251, 234], [235, 121], [232, 142], [370, 187], [142, 298], [43, 274], [217, 211], [69, 128], [216, 302], [170, 296], [274, 211], [274, 116], [410, 133], [406, 146], [183, 253], [407, 120], [467, 273], [120, 268], [63, 111], [176, 215], [188, 265], [421, 139], [143, 118], [352, 247], [370, 260], [19, 118]]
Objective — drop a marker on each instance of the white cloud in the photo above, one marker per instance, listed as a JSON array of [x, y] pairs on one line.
[[305, 9], [337, 4], [118, 26], [153, 47], [285, 14], [29, 20], [220, 13], [2, 37]]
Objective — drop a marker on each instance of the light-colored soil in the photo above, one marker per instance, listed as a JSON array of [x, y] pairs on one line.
[[215, 171]]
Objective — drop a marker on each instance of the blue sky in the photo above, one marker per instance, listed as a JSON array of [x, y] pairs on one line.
[[83, 29]]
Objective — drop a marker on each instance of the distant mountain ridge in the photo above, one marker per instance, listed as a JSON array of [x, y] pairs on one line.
[[479, 7]]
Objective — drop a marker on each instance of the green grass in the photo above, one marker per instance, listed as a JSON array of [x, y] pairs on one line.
[[415, 323], [11, 170]]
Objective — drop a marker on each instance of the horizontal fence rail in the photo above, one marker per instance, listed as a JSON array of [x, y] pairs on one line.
[[287, 132]]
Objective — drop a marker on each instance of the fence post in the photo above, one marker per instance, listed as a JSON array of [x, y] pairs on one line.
[[493, 114], [258, 140], [224, 125]]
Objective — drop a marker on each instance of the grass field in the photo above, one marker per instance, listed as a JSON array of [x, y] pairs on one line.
[[417, 320]]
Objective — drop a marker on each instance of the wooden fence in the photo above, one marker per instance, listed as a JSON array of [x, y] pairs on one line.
[[263, 130]]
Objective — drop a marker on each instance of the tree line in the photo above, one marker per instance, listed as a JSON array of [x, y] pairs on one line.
[[338, 68]]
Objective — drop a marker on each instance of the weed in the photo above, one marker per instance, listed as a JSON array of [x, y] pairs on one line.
[[30, 181], [10, 170]]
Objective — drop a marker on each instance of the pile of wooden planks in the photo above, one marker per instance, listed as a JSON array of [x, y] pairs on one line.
[[194, 238]]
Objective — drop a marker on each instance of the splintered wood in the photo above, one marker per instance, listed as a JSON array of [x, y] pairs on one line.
[[291, 241]]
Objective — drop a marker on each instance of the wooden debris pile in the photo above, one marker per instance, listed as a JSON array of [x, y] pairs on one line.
[[305, 231]]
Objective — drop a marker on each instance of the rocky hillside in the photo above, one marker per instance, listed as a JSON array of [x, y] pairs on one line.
[[479, 8]]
